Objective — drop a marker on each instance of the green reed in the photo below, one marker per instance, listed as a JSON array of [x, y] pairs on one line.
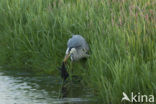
[[121, 35]]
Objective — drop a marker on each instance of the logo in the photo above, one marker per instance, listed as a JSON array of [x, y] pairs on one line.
[[125, 97], [138, 98]]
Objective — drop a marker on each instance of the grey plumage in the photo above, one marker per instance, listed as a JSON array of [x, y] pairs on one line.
[[80, 45], [77, 41], [77, 48]]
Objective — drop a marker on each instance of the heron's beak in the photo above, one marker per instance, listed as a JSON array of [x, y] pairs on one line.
[[66, 57]]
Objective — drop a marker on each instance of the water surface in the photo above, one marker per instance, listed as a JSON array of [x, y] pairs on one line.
[[25, 88]]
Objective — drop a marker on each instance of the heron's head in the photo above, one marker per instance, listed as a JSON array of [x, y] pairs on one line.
[[69, 51]]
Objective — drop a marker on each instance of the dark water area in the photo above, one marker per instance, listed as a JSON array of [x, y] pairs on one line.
[[25, 88]]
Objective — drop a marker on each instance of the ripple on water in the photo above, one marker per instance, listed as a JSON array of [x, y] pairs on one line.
[[29, 89]]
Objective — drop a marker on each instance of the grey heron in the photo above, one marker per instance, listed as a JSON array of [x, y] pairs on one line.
[[77, 48]]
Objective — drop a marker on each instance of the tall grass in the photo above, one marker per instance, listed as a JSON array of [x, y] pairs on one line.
[[121, 35]]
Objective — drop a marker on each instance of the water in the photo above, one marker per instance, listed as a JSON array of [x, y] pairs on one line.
[[24, 88]]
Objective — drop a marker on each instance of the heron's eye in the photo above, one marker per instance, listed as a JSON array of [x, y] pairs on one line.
[[70, 49]]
